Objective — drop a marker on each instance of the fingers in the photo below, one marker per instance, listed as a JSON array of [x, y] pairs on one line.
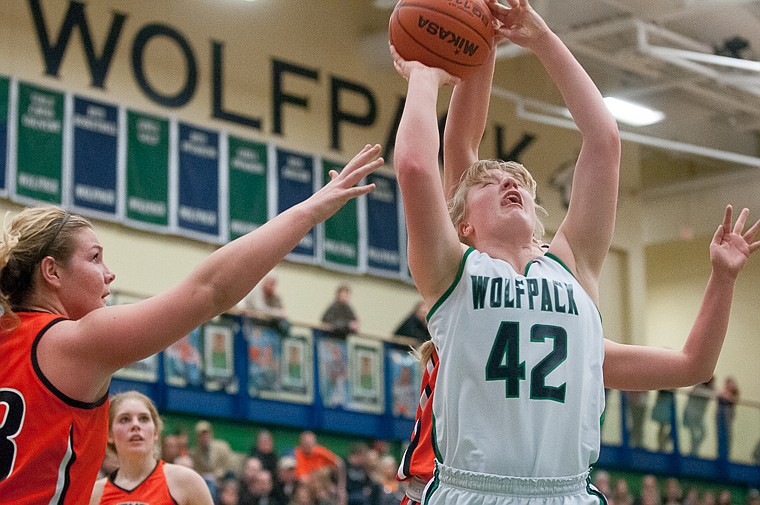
[[727, 219], [739, 225]]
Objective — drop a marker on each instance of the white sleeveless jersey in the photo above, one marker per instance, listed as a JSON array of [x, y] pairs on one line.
[[520, 389]]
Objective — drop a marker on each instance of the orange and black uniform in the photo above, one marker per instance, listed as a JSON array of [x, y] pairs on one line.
[[152, 491], [51, 446], [418, 462]]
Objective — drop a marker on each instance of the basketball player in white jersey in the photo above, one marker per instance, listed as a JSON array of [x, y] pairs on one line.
[[519, 392]]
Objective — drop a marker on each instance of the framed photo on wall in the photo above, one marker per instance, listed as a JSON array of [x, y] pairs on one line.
[[366, 387]]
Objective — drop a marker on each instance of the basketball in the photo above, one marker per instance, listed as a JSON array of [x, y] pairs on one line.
[[455, 35]]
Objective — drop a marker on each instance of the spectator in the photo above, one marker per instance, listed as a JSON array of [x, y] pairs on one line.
[[340, 317], [360, 488], [727, 399], [662, 415], [650, 491], [228, 493], [264, 302], [691, 497], [251, 468], [264, 450], [169, 448], [311, 456], [673, 492], [621, 495], [392, 489], [324, 488], [709, 498], [694, 413], [415, 324], [262, 491], [303, 495], [601, 482], [637, 411], [753, 497], [724, 497], [212, 457], [286, 482]]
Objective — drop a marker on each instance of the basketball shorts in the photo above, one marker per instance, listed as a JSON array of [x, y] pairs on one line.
[[453, 486]]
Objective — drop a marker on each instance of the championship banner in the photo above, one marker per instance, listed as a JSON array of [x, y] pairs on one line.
[[384, 250], [94, 158], [5, 85], [198, 168], [39, 156], [147, 171], [247, 168], [295, 183], [341, 232], [366, 379]]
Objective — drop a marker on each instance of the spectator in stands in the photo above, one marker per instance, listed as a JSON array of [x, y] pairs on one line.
[[601, 481], [303, 495], [169, 448], [650, 491], [286, 482], [311, 456], [727, 399], [691, 497], [392, 489], [360, 488], [264, 302], [228, 493], [725, 498], [694, 413], [264, 450], [212, 457], [250, 471], [325, 489], [662, 414], [415, 324], [637, 411], [673, 492], [621, 495], [753, 497], [261, 492], [340, 318]]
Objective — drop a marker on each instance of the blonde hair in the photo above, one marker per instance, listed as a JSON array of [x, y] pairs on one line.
[[120, 398], [478, 173], [424, 352], [33, 234]]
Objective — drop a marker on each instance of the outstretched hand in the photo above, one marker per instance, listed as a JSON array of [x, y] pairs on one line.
[[343, 185], [518, 22], [405, 69], [730, 249]]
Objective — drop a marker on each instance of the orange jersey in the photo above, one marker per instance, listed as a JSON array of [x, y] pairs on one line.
[[51, 446], [419, 458], [152, 491], [320, 457]]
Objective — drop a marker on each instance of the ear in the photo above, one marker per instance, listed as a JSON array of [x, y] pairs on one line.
[[50, 271], [465, 229]]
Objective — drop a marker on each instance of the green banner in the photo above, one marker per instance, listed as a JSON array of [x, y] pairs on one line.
[[147, 169], [247, 168], [4, 97], [40, 144], [341, 232]]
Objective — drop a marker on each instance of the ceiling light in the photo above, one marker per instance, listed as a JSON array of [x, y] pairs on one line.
[[632, 114]]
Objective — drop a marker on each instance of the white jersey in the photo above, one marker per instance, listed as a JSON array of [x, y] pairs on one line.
[[520, 389]]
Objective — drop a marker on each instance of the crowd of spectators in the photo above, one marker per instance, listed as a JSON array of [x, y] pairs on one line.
[[651, 490], [308, 474]]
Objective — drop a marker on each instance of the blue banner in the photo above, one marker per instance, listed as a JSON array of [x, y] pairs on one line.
[[295, 183], [383, 243], [95, 154], [198, 199]]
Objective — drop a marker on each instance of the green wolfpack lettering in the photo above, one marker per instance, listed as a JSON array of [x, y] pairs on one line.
[[530, 292]]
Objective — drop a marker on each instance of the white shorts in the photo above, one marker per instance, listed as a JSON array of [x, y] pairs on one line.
[[452, 486]]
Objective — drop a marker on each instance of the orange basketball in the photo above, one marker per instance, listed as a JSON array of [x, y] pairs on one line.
[[455, 35]]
